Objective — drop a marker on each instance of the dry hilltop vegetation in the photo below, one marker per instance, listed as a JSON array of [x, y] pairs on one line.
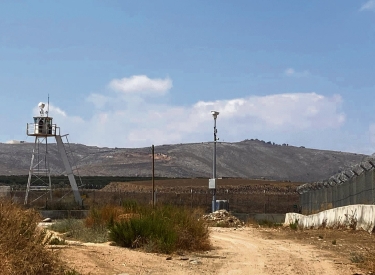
[[250, 159]]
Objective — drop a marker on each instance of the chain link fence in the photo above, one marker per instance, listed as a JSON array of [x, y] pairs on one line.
[[4, 191], [352, 186], [239, 203], [247, 202]]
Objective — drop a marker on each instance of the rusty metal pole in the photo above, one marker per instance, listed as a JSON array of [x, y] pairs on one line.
[[153, 175]]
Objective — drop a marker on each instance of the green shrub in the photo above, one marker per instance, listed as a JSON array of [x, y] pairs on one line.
[[294, 225], [161, 229], [156, 232]]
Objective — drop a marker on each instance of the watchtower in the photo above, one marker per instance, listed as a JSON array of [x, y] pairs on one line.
[[39, 179]]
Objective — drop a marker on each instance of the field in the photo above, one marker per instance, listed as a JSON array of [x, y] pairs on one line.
[[244, 195]]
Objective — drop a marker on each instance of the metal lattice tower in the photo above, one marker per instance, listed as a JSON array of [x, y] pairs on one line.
[[39, 180]]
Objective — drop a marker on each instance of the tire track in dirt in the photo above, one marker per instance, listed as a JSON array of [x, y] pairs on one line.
[[248, 252], [236, 251]]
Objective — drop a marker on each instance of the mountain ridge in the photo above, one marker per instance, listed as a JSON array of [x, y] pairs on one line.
[[245, 159]]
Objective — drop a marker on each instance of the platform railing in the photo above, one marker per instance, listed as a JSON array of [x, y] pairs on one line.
[[34, 129]]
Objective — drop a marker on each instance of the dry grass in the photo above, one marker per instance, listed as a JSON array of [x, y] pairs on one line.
[[77, 230], [355, 246], [103, 216], [23, 245]]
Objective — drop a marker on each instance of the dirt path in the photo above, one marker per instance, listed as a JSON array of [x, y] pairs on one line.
[[241, 251]]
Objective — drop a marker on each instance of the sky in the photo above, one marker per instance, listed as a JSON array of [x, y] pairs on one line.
[[136, 73]]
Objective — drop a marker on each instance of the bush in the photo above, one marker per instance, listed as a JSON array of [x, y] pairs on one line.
[[294, 225], [152, 232], [23, 243], [161, 229]]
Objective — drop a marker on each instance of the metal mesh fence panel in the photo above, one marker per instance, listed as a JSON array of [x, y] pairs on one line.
[[361, 189], [321, 199], [344, 189], [353, 190], [238, 202], [329, 192], [346, 192], [367, 196]]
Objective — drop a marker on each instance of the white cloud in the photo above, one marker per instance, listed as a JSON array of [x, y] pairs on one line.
[[294, 73], [141, 84], [289, 71], [126, 124], [281, 111], [369, 5], [98, 100]]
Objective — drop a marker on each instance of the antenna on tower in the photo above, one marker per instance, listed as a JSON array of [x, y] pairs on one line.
[[47, 112]]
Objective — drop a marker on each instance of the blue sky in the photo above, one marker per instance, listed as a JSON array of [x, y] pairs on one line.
[[136, 73]]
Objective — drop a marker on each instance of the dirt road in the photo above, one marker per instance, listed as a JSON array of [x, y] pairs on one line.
[[240, 251]]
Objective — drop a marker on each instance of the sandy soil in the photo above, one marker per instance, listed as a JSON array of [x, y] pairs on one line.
[[236, 251]]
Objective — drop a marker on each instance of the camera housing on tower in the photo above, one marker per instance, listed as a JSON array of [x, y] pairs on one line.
[[43, 124]]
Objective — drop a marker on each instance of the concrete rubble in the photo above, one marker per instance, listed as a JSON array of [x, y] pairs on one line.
[[222, 218]]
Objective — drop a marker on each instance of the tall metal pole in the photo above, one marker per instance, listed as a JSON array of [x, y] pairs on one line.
[[214, 169], [214, 114], [153, 175]]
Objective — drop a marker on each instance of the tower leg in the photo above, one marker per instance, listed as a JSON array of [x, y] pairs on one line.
[[39, 168], [30, 172], [68, 170]]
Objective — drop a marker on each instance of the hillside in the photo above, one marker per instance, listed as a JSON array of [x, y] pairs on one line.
[[245, 159]]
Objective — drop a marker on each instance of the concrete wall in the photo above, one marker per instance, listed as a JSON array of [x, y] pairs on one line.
[[359, 216]]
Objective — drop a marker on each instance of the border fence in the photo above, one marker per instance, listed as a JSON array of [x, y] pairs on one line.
[[352, 186], [247, 202], [5, 191]]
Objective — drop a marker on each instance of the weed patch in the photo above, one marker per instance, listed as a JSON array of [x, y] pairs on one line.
[[356, 257], [161, 229], [23, 243], [294, 225], [76, 229], [267, 223]]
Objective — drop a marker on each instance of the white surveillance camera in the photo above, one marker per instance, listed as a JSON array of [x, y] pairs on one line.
[[41, 105]]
